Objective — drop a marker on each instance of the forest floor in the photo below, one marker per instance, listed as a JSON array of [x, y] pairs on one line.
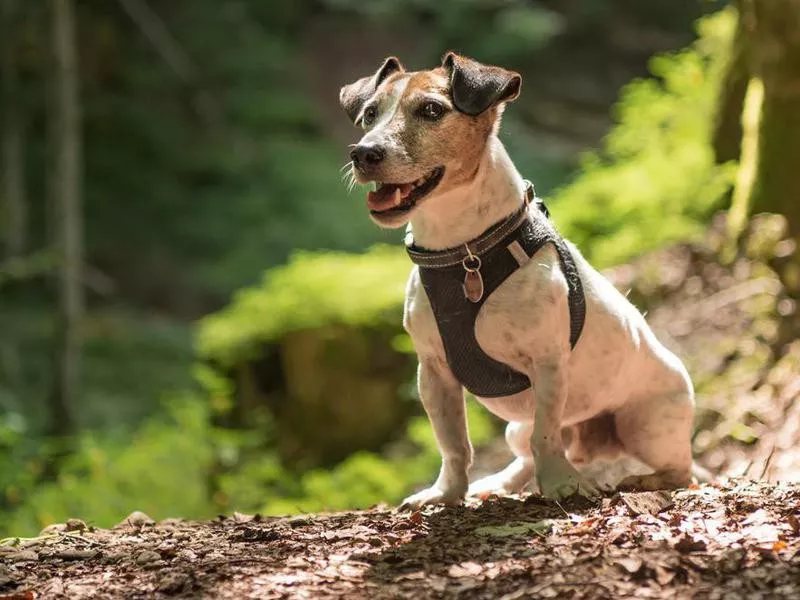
[[738, 538], [734, 540]]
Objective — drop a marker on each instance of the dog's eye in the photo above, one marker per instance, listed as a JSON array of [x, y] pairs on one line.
[[432, 110], [369, 115]]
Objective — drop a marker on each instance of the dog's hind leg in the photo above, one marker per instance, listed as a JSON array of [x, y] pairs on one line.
[[658, 431], [516, 475]]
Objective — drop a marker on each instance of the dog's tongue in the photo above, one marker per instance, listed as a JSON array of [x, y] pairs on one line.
[[388, 196]]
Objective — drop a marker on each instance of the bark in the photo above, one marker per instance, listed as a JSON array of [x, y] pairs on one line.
[[12, 166], [774, 26], [730, 103], [66, 190], [767, 47]]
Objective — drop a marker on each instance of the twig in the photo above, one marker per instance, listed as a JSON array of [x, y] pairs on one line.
[[75, 536], [768, 461]]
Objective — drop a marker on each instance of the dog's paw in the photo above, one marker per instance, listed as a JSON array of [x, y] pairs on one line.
[[557, 479], [432, 495], [488, 486], [510, 480]]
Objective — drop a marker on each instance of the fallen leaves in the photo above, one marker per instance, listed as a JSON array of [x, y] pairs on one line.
[[688, 543], [727, 539]]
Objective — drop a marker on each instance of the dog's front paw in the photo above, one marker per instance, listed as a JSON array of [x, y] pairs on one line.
[[510, 480], [557, 478], [432, 495]]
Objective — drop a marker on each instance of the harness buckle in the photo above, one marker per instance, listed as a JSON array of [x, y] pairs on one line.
[[473, 280]]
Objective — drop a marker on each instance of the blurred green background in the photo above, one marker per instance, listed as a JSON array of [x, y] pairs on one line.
[[240, 341]]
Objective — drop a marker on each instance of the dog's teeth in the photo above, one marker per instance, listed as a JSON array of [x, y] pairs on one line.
[[419, 181], [398, 197]]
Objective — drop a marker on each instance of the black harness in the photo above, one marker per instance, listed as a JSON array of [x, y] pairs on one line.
[[458, 282]]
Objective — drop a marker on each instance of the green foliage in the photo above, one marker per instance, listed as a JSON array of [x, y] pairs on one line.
[[655, 181], [364, 479], [165, 470], [161, 470], [312, 290]]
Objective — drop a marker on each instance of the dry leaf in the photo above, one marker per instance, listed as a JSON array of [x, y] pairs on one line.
[[689, 543], [663, 575], [779, 546], [794, 523], [631, 564], [465, 569], [652, 503]]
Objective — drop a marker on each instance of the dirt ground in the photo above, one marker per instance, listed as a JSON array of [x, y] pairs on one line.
[[737, 540]]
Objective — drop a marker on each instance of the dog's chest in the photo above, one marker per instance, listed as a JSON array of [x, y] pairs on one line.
[[528, 306]]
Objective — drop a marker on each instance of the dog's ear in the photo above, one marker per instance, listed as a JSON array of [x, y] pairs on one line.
[[476, 87], [353, 96]]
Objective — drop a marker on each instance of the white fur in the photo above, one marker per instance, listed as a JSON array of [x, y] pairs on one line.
[[617, 367]]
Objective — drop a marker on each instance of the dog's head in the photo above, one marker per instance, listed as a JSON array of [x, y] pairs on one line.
[[424, 131]]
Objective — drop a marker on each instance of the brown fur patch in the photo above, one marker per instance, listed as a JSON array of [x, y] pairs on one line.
[[457, 140]]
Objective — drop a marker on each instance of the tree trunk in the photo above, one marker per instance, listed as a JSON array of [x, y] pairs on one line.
[[66, 190], [730, 103], [767, 49], [774, 26], [12, 162]]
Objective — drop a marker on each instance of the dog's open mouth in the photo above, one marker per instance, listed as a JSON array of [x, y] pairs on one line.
[[391, 198]]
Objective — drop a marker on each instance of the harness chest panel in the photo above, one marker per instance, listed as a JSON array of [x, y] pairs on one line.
[[455, 315]]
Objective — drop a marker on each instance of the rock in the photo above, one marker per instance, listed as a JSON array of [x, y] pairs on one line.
[[75, 525], [53, 528], [75, 554], [298, 521], [652, 503], [145, 557], [136, 519], [22, 556], [173, 583]]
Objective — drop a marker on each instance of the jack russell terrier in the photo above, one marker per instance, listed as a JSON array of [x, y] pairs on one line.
[[500, 305]]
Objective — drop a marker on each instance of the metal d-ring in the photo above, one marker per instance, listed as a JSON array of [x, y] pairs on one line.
[[471, 257]]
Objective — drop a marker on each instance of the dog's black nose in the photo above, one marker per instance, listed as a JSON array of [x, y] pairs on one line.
[[367, 155]]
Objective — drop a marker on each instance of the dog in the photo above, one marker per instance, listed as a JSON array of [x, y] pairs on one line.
[[610, 395]]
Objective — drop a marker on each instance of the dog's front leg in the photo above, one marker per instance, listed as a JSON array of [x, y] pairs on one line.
[[443, 400], [555, 476]]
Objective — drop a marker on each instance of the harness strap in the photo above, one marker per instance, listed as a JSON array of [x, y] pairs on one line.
[[493, 256]]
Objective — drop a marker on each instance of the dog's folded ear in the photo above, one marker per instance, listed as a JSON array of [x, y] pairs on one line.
[[476, 87], [353, 96]]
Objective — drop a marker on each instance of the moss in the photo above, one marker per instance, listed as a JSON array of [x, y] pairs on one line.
[[311, 291]]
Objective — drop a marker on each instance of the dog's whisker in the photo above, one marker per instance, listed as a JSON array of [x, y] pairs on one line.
[[346, 166], [352, 145]]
